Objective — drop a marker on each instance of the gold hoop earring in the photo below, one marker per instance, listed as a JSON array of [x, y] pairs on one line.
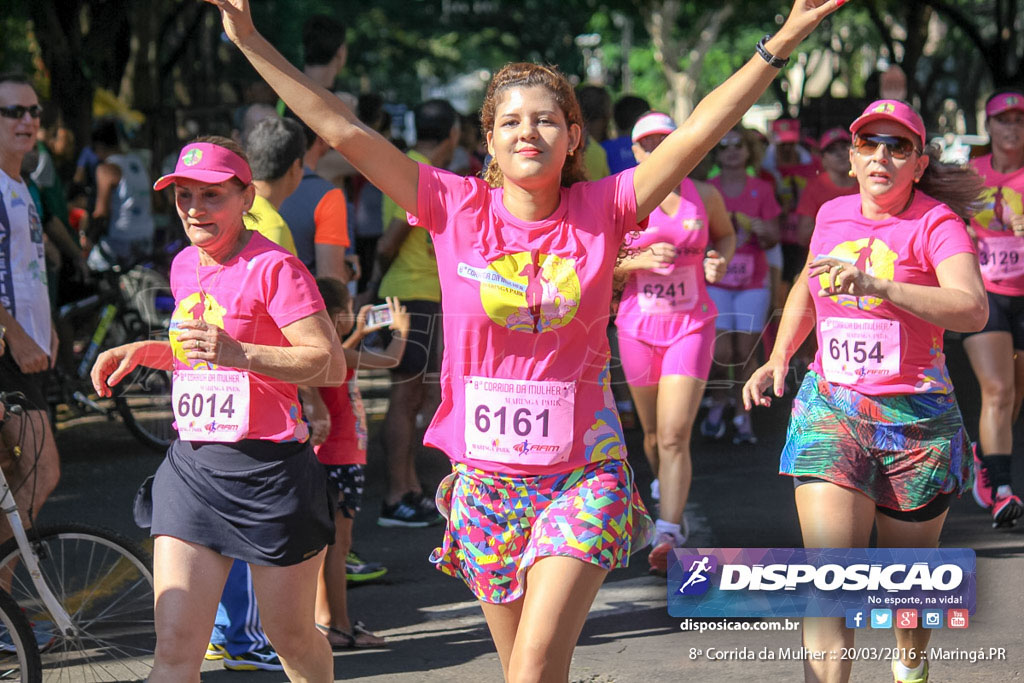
[[851, 173]]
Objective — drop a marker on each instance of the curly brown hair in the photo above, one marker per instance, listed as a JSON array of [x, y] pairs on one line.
[[527, 75]]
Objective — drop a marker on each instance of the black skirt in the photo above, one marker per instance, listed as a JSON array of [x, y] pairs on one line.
[[261, 502]]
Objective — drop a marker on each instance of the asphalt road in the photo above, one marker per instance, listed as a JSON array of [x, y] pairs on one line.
[[436, 631]]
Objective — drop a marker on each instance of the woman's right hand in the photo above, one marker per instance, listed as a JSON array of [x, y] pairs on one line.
[[771, 374], [236, 17], [400, 321], [658, 255], [111, 366], [807, 14]]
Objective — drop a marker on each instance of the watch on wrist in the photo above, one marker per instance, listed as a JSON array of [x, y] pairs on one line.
[[772, 60]]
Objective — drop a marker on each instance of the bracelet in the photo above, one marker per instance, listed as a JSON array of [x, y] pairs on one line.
[[772, 60]]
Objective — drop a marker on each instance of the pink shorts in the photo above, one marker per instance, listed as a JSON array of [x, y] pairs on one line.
[[644, 364]]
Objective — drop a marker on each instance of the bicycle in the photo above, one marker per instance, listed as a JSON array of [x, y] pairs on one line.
[[93, 585], [19, 653], [129, 304]]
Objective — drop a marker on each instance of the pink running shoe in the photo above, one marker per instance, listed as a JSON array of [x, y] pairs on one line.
[[1005, 510], [981, 488], [658, 558]]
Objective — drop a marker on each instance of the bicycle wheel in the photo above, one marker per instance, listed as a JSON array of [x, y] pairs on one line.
[[19, 653], [104, 582], [144, 402]]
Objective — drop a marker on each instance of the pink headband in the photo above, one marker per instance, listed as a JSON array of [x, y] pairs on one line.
[[207, 163], [891, 110]]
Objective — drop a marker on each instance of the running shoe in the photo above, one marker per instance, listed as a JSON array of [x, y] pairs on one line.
[[1006, 509], [919, 678], [982, 488], [425, 504], [402, 514], [358, 570], [215, 651], [658, 557], [712, 430], [263, 659], [744, 432]]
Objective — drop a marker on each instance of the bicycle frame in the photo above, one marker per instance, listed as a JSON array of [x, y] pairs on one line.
[[28, 555]]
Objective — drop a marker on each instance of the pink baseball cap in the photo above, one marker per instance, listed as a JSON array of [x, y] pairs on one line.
[[891, 110], [653, 123], [786, 130], [833, 135], [207, 163], [1004, 102]]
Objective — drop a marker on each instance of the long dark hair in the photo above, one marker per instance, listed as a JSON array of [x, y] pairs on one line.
[[958, 187]]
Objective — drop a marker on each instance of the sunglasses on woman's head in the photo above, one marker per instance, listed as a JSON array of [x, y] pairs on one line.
[[17, 111], [899, 147]]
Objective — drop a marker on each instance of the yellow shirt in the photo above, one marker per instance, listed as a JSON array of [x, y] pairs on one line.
[[264, 219], [595, 160], [413, 273]]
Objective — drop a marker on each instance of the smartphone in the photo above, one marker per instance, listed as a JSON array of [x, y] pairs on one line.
[[378, 316]]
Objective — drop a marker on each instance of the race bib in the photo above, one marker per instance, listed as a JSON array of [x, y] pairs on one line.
[[519, 422], [666, 294], [211, 405], [1001, 257], [739, 271], [855, 349]]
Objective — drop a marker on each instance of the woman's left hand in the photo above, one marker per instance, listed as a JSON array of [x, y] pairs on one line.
[[807, 14], [202, 341], [715, 266], [843, 278]]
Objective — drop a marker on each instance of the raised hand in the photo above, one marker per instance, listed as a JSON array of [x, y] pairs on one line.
[[807, 14], [236, 17]]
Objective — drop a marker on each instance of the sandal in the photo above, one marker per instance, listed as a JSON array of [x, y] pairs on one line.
[[360, 638]]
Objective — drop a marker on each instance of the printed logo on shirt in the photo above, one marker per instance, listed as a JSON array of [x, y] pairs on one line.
[[999, 205], [528, 291], [869, 254], [195, 307], [693, 224]]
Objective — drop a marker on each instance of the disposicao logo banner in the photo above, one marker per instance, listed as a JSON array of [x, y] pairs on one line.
[[817, 582]]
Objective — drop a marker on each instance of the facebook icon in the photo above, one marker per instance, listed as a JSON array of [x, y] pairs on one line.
[[855, 618]]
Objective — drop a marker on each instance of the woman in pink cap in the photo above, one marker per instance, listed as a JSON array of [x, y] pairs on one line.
[[876, 438], [541, 503], [997, 352], [241, 481], [666, 328], [837, 180]]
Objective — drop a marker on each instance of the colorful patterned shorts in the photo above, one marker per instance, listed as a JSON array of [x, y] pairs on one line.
[[499, 525], [900, 451]]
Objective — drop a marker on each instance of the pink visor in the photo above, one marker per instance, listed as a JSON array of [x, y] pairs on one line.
[[786, 130], [1008, 101], [891, 110], [653, 123], [833, 135], [207, 163]]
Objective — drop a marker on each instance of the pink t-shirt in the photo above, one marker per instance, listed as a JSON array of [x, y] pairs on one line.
[[865, 342], [748, 268], [347, 440], [819, 191], [663, 305], [251, 297], [1000, 253], [793, 180], [525, 384]]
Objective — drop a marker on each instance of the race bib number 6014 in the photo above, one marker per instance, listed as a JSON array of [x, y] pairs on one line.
[[211, 405]]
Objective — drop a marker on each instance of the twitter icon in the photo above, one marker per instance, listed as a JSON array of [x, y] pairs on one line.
[[881, 618]]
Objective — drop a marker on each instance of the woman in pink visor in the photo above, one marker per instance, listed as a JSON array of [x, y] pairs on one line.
[[876, 439], [997, 352], [666, 328], [541, 503], [241, 481]]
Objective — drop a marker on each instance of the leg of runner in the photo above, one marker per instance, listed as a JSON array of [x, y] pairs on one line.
[[713, 425], [831, 517], [188, 580], [405, 401], [895, 533], [678, 401], [287, 597], [503, 622], [645, 400], [745, 362], [35, 468], [559, 593]]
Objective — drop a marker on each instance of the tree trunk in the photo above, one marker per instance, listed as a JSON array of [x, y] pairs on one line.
[[58, 30]]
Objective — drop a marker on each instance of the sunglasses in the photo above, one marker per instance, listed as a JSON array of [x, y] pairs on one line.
[[17, 111], [730, 145], [899, 147]]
